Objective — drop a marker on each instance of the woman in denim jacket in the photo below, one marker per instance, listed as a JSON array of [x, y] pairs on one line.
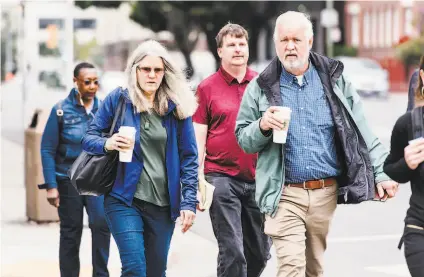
[[60, 146], [160, 183]]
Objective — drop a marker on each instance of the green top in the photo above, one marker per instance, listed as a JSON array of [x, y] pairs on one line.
[[153, 184]]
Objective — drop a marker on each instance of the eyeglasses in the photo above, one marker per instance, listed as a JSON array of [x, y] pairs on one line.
[[88, 82], [147, 70]]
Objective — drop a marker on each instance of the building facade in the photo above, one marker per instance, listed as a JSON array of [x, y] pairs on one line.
[[376, 27]]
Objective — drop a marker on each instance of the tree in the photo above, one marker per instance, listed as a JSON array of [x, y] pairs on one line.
[[186, 20], [410, 52], [104, 4], [177, 17]]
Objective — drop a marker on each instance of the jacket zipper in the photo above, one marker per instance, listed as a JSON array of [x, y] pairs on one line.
[[166, 162], [334, 70]]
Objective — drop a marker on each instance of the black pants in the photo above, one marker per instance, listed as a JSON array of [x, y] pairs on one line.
[[71, 211], [238, 227], [413, 240]]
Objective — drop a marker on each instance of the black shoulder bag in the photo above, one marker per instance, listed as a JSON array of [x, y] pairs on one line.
[[95, 174]]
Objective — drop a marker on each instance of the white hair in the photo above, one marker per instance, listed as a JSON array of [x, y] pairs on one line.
[[292, 17], [174, 85]]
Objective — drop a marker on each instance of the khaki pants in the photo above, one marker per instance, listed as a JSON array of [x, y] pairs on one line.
[[299, 230]]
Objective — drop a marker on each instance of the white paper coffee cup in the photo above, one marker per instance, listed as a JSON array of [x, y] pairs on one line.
[[128, 132], [280, 136], [414, 141]]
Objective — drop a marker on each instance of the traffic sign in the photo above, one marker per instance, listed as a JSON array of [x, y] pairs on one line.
[[329, 18]]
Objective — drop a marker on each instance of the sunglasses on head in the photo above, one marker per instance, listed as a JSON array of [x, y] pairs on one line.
[[147, 70]]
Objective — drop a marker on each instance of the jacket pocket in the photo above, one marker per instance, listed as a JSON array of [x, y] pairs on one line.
[[73, 129]]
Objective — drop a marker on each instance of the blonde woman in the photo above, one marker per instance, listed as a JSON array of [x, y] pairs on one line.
[[160, 183]]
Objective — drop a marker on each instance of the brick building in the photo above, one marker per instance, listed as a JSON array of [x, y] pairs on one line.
[[375, 27]]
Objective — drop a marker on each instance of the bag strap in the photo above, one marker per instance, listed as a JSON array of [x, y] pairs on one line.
[[59, 111], [417, 122], [120, 110]]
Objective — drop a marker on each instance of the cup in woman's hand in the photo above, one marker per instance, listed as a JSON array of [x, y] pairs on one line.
[[129, 133]]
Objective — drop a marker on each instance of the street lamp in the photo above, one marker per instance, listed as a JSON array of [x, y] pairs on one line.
[[329, 18]]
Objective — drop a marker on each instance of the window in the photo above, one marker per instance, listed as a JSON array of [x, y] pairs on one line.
[[51, 79], [84, 24], [381, 30], [388, 27], [396, 26], [408, 22], [43, 23], [355, 31], [366, 34], [45, 51], [374, 28]]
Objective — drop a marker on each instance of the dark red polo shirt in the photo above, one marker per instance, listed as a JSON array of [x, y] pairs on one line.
[[219, 101]]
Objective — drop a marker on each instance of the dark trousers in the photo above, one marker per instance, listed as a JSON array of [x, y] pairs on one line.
[[71, 212], [238, 227], [414, 250], [143, 235]]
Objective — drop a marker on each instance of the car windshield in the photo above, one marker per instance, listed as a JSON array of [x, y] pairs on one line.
[[359, 65]]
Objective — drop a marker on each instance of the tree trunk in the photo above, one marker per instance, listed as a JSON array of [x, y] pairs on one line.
[[269, 42], [189, 69], [210, 35], [253, 45], [181, 39]]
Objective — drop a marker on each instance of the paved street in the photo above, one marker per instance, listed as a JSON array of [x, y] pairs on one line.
[[363, 238]]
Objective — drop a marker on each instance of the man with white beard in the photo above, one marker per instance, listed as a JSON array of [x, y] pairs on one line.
[[330, 155]]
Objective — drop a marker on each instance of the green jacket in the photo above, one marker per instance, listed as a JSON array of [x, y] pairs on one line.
[[361, 153]]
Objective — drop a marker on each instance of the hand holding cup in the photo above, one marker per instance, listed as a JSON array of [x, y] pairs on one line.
[[271, 119], [118, 142]]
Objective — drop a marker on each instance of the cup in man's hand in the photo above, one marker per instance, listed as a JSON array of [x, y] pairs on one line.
[[284, 114]]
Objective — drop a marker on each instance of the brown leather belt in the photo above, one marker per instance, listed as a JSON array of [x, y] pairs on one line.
[[315, 184]]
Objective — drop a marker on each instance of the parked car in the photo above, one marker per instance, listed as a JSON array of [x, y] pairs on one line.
[[366, 75]]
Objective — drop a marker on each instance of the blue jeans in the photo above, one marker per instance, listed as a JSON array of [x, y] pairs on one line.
[[142, 233], [71, 211]]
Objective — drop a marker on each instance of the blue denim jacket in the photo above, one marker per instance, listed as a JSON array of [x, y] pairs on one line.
[[61, 141], [181, 153]]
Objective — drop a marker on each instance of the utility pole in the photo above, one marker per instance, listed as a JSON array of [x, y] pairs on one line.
[[22, 59], [9, 44], [69, 47], [329, 42]]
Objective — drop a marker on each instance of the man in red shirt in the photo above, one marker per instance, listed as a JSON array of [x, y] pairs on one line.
[[236, 219]]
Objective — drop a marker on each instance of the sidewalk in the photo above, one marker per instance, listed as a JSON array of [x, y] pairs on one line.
[[29, 249]]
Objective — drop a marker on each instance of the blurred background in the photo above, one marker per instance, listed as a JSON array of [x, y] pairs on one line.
[[379, 42], [41, 41]]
